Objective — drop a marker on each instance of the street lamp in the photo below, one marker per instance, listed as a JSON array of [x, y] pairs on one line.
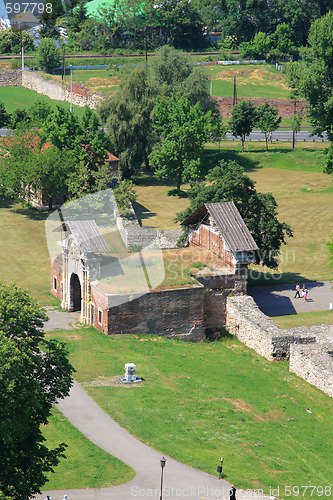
[[71, 67], [211, 82], [162, 462]]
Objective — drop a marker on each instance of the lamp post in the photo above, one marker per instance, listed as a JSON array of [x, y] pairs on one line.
[[71, 67], [162, 462], [211, 82]]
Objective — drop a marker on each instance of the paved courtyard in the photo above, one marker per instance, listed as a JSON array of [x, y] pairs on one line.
[[279, 300]]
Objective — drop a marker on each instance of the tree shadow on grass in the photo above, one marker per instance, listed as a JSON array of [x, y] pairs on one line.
[[179, 194], [19, 208], [210, 158]]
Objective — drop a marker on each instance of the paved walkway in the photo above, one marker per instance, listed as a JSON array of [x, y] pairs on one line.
[[63, 320], [180, 481], [279, 300]]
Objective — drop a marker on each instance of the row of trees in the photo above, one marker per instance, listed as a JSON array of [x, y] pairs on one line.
[[66, 155], [258, 27]]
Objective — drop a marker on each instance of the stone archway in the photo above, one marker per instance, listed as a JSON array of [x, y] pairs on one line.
[[75, 293]]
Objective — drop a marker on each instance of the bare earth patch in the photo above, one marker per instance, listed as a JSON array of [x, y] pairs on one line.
[[102, 83], [272, 415]]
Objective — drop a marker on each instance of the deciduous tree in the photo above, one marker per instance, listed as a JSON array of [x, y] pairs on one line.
[[34, 374], [183, 129], [243, 119], [268, 120]]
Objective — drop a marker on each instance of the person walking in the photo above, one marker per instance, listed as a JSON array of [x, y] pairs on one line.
[[297, 294], [232, 493], [304, 293]]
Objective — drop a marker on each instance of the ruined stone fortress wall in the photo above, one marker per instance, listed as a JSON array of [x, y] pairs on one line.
[[81, 96], [308, 349]]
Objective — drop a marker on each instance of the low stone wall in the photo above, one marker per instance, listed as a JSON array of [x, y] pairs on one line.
[[314, 365], [81, 96], [259, 332], [10, 78], [308, 349]]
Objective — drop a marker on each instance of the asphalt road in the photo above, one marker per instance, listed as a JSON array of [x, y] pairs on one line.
[[281, 135]]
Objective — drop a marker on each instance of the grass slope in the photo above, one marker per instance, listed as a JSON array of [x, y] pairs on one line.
[[20, 97], [86, 465], [201, 401]]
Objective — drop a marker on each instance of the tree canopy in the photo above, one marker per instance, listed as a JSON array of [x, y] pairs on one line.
[[242, 121], [183, 129], [34, 374], [227, 182]]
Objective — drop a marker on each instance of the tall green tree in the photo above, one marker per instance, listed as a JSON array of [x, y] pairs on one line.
[[128, 117], [34, 374], [312, 78], [267, 120], [49, 55], [87, 142], [243, 119], [52, 10], [183, 129], [227, 182]]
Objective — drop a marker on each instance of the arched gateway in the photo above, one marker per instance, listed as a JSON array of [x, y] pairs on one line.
[[78, 265]]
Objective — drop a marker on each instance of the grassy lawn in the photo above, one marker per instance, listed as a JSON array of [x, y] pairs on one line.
[[86, 465], [23, 253], [201, 401], [98, 80], [304, 319], [262, 81], [20, 97]]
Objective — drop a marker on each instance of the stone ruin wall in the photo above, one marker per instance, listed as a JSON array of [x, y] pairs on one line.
[[309, 350], [81, 96]]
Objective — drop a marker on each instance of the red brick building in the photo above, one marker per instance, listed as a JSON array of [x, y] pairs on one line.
[[220, 228]]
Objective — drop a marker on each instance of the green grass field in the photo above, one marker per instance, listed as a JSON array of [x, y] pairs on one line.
[[86, 465], [201, 401], [20, 97], [304, 319], [261, 81]]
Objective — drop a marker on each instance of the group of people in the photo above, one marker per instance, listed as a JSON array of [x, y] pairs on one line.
[[304, 292]]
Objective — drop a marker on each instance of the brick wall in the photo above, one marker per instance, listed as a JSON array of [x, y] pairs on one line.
[[285, 106], [208, 237], [172, 313]]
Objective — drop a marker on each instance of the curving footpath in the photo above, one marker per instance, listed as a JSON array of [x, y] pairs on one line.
[[180, 481]]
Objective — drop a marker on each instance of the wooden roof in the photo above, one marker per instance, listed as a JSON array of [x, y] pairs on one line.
[[228, 221]]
